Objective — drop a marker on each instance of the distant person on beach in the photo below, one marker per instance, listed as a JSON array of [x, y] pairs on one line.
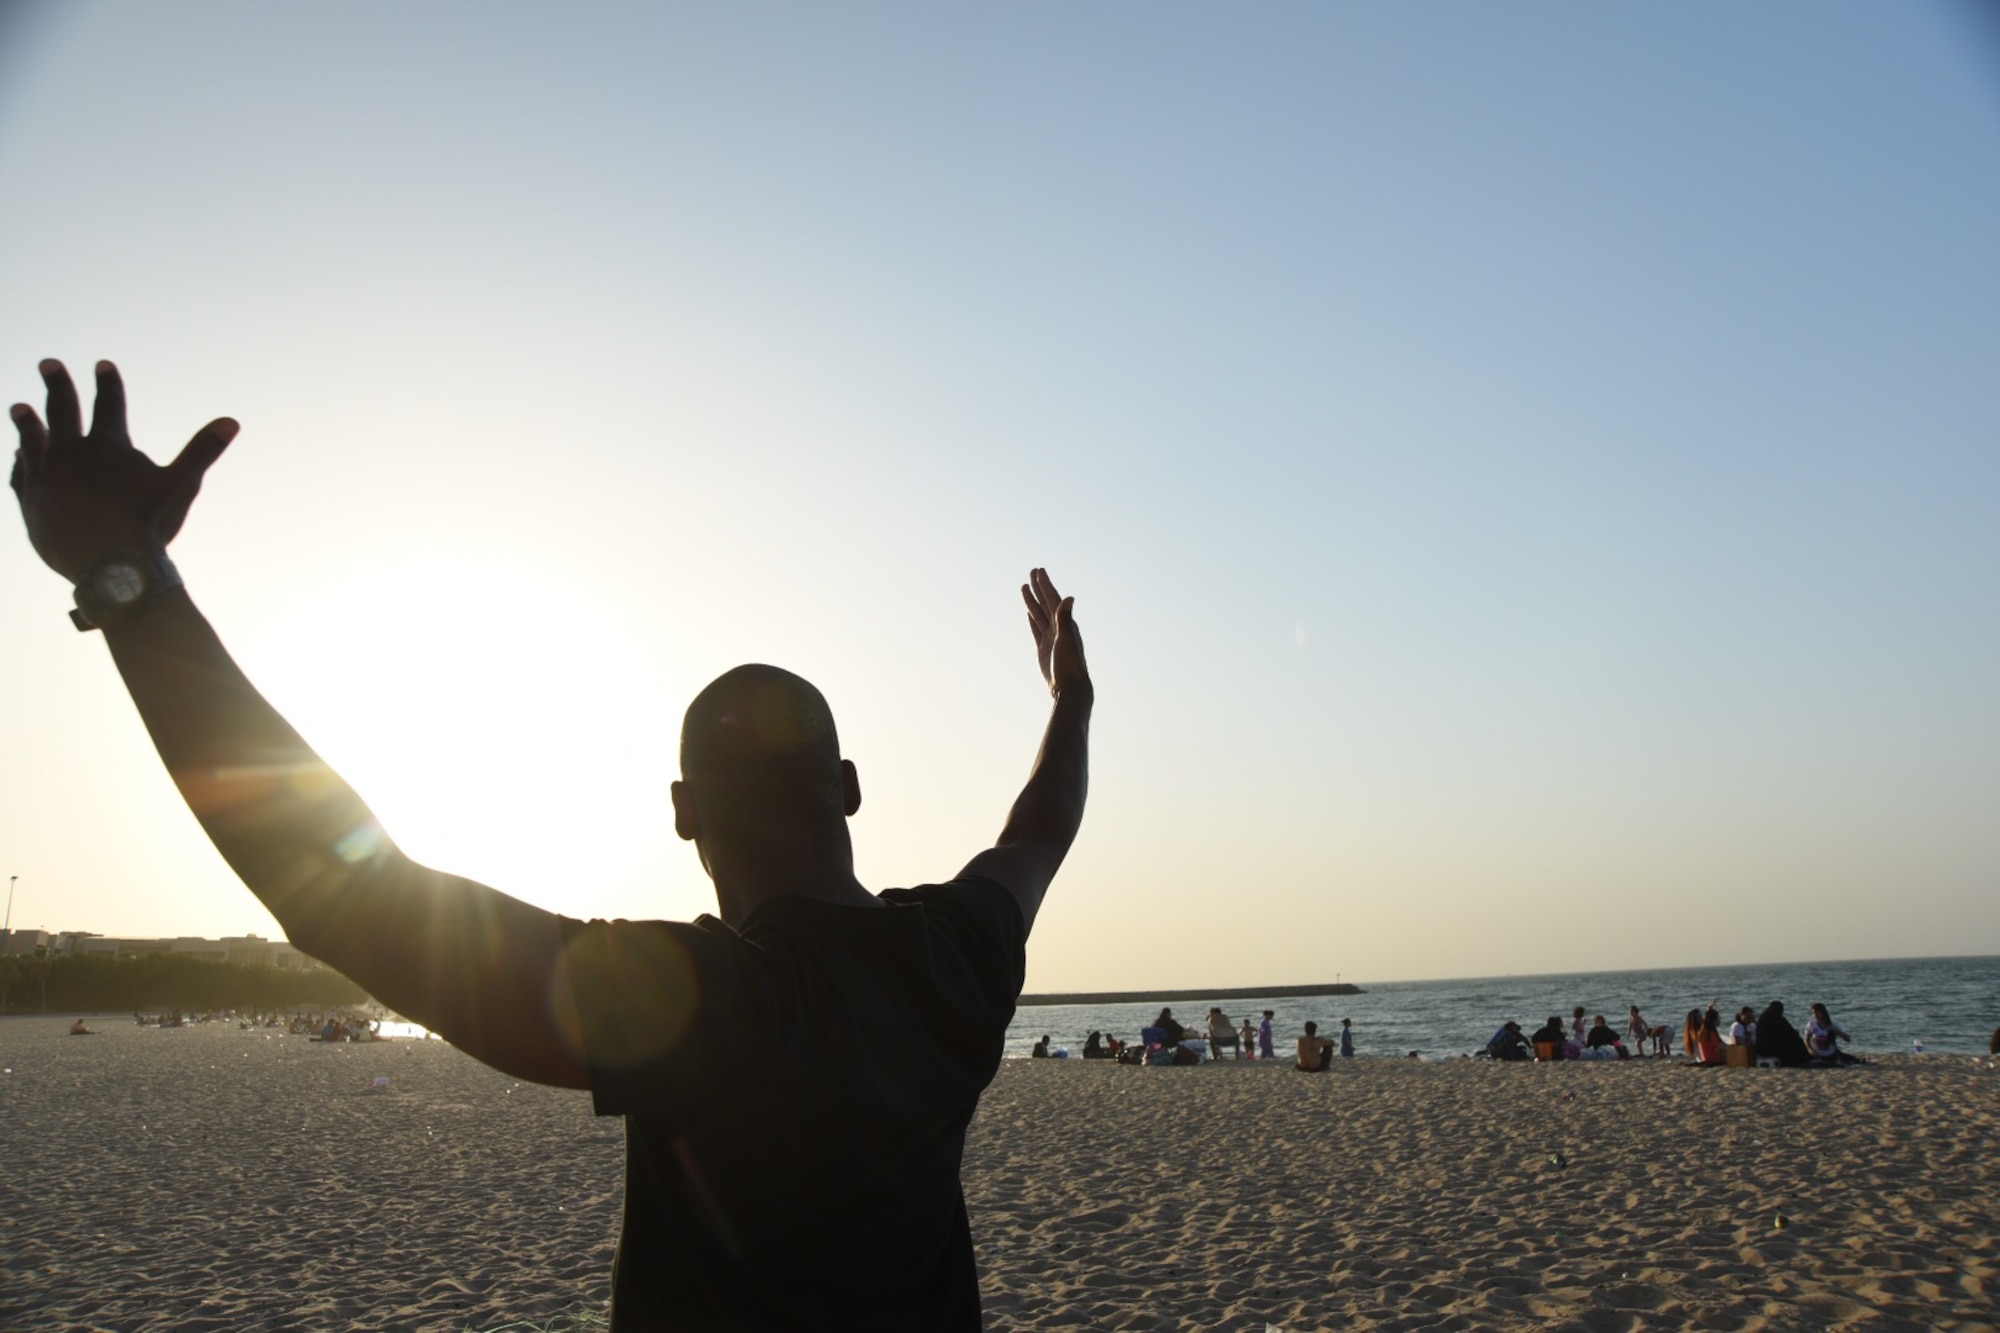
[[1171, 1026], [1248, 1037], [1221, 1033], [1347, 1038], [1509, 1044], [1708, 1049], [796, 1077], [1315, 1051], [1579, 1027], [1552, 1033], [81, 1029], [1743, 1031], [1993, 1045], [1041, 1051], [1823, 1038], [1601, 1037], [1266, 1038], [1778, 1040], [1093, 1047], [1642, 1032]]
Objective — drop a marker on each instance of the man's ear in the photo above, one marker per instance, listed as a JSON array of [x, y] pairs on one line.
[[850, 787], [687, 815]]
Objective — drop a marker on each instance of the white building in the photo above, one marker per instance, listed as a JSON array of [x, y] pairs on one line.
[[25, 941]]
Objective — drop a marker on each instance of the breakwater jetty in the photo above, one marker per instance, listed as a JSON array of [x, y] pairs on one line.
[[1183, 996]]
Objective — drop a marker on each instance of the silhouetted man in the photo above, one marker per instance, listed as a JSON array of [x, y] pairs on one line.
[[796, 1077]]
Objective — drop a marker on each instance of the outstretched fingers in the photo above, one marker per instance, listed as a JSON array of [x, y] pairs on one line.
[[107, 420], [65, 415], [1049, 619], [34, 446], [199, 454], [34, 435]]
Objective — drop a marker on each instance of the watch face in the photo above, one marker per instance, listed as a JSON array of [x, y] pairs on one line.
[[121, 584]]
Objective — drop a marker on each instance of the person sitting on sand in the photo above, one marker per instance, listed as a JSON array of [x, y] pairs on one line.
[[1708, 1040], [1691, 1035], [1601, 1037], [81, 1029], [1315, 1051], [1778, 1040], [1041, 1051], [1743, 1031], [1167, 1023], [1093, 1047], [796, 1075], [1552, 1033], [1509, 1044], [1823, 1038]]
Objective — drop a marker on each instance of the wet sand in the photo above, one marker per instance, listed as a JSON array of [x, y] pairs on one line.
[[209, 1178]]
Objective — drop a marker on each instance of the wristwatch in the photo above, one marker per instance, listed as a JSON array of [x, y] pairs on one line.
[[120, 587]]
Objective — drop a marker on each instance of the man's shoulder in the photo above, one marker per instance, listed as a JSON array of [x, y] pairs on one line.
[[975, 891], [968, 903], [621, 942]]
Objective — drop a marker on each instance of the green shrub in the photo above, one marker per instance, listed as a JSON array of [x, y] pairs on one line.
[[42, 983]]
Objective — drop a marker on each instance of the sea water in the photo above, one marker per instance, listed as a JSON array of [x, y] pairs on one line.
[[1951, 1005]]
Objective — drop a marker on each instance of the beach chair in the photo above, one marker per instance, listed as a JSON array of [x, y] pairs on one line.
[[1152, 1038]]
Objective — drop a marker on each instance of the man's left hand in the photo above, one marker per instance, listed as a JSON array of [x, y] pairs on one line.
[[87, 495]]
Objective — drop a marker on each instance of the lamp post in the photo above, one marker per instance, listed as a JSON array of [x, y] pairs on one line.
[[7, 927]]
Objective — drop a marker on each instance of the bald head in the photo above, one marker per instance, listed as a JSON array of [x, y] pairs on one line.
[[758, 744]]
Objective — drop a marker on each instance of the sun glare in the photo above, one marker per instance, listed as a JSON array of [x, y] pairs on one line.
[[512, 733]]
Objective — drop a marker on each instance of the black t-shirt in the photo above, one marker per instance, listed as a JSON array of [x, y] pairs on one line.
[[795, 1097]]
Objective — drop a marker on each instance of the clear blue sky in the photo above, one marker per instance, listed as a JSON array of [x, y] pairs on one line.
[[1530, 476]]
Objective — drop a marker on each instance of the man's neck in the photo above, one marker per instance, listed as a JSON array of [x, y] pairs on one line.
[[742, 886]]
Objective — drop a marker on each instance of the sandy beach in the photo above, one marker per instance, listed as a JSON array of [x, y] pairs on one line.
[[210, 1178]]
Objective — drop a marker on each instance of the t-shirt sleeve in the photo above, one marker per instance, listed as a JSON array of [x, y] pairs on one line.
[[980, 921], [642, 1000]]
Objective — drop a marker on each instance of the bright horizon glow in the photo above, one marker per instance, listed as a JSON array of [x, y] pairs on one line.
[[1529, 481]]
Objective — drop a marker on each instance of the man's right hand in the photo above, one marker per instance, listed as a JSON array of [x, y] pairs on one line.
[[1045, 818], [1058, 645], [87, 495]]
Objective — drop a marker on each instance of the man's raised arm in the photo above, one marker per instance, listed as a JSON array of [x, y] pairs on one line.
[[1049, 810], [465, 960]]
